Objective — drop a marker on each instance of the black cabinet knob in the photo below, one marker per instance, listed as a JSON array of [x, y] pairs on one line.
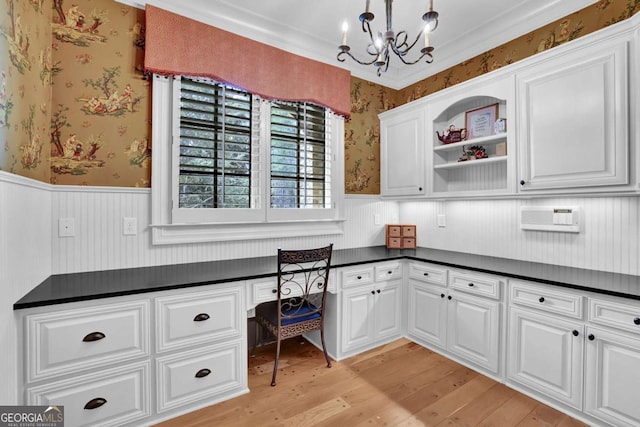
[[636, 321], [359, 277], [591, 337], [575, 333], [449, 297], [471, 285], [373, 292], [522, 182], [541, 299], [378, 291], [441, 295], [390, 272], [419, 188], [274, 291], [425, 274]]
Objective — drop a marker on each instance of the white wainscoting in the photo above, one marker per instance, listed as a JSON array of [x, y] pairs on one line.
[[100, 245], [609, 239], [25, 261]]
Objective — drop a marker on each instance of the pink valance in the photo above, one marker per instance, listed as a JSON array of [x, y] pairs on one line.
[[181, 46]]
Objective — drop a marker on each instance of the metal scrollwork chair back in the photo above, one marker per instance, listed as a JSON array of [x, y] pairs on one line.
[[303, 278]]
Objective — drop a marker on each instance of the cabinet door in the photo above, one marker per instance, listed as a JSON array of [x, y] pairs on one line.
[[402, 153], [427, 313], [613, 377], [573, 126], [387, 311], [357, 324], [545, 354], [473, 330]]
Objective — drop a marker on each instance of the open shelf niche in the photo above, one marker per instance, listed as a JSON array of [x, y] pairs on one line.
[[489, 174]]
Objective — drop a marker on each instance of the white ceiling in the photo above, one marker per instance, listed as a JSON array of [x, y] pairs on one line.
[[312, 28]]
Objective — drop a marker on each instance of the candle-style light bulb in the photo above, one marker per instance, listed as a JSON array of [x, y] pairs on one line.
[[426, 36], [345, 27]]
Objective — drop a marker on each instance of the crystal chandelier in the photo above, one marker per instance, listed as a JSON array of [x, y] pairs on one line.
[[382, 44]]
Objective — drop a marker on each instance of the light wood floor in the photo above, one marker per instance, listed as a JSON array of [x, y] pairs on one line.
[[400, 384]]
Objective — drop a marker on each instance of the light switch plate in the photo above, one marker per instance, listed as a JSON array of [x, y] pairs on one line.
[[442, 220], [66, 227]]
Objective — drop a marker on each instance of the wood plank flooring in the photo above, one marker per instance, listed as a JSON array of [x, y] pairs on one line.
[[400, 384]]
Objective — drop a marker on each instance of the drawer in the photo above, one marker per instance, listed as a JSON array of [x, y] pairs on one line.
[[408, 242], [388, 271], [428, 274], [264, 290], [356, 276], [625, 317], [75, 340], [208, 372], [545, 299], [394, 230], [122, 396], [476, 284], [394, 242], [408, 231], [196, 318]]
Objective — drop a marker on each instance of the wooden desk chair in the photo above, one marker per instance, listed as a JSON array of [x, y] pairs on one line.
[[303, 277]]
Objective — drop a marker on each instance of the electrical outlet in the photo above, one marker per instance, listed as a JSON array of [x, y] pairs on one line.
[[442, 220], [66, 227], [129, 226]]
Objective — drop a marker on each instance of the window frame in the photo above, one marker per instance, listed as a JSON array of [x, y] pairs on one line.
[[169, 228]]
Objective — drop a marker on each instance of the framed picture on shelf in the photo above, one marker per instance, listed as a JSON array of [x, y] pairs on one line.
[[479, 122]]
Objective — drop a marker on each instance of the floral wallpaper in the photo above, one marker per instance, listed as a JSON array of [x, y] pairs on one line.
[[75, 109]]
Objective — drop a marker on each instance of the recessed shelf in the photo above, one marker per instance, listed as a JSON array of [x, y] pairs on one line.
[[491, 139], [469, 163]]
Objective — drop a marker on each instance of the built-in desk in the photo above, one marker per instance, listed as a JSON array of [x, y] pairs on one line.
[[62, 288]]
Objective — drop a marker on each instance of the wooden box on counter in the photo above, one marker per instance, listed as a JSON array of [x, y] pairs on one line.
[[401, 236]]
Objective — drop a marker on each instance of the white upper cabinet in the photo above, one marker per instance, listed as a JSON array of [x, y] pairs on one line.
[[402, 161], [573, 112], [482, 163]]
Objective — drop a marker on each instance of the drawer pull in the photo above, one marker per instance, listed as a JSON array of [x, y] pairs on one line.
[[449, 297], [201, 317], [425, 274], [203, 373], [541, 299], [591, 337], [373, 292], [389, 272], [378, 291], [441, 295], [359, 277], [93, 336], [274, 291], [575, 333], [636, 321], [471, 285], [95, 403]]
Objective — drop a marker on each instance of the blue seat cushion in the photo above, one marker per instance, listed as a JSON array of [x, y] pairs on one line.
[[269, 311]]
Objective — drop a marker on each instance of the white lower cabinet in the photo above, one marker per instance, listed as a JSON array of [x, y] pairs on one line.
[[545, 353], [366, 311], [112, 397], [427, 313], [612, 392], [461, 315], [97, 360], [473, 329], [371, 314]]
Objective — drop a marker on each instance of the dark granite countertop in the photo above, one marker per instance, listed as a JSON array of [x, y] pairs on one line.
[[63, 288]]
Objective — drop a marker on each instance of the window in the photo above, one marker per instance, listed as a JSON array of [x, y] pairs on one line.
[[299, 164], [226, 161], [215, 146]]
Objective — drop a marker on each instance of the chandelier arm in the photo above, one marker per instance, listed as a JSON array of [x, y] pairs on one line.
[[341, 58], [398, 47]]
